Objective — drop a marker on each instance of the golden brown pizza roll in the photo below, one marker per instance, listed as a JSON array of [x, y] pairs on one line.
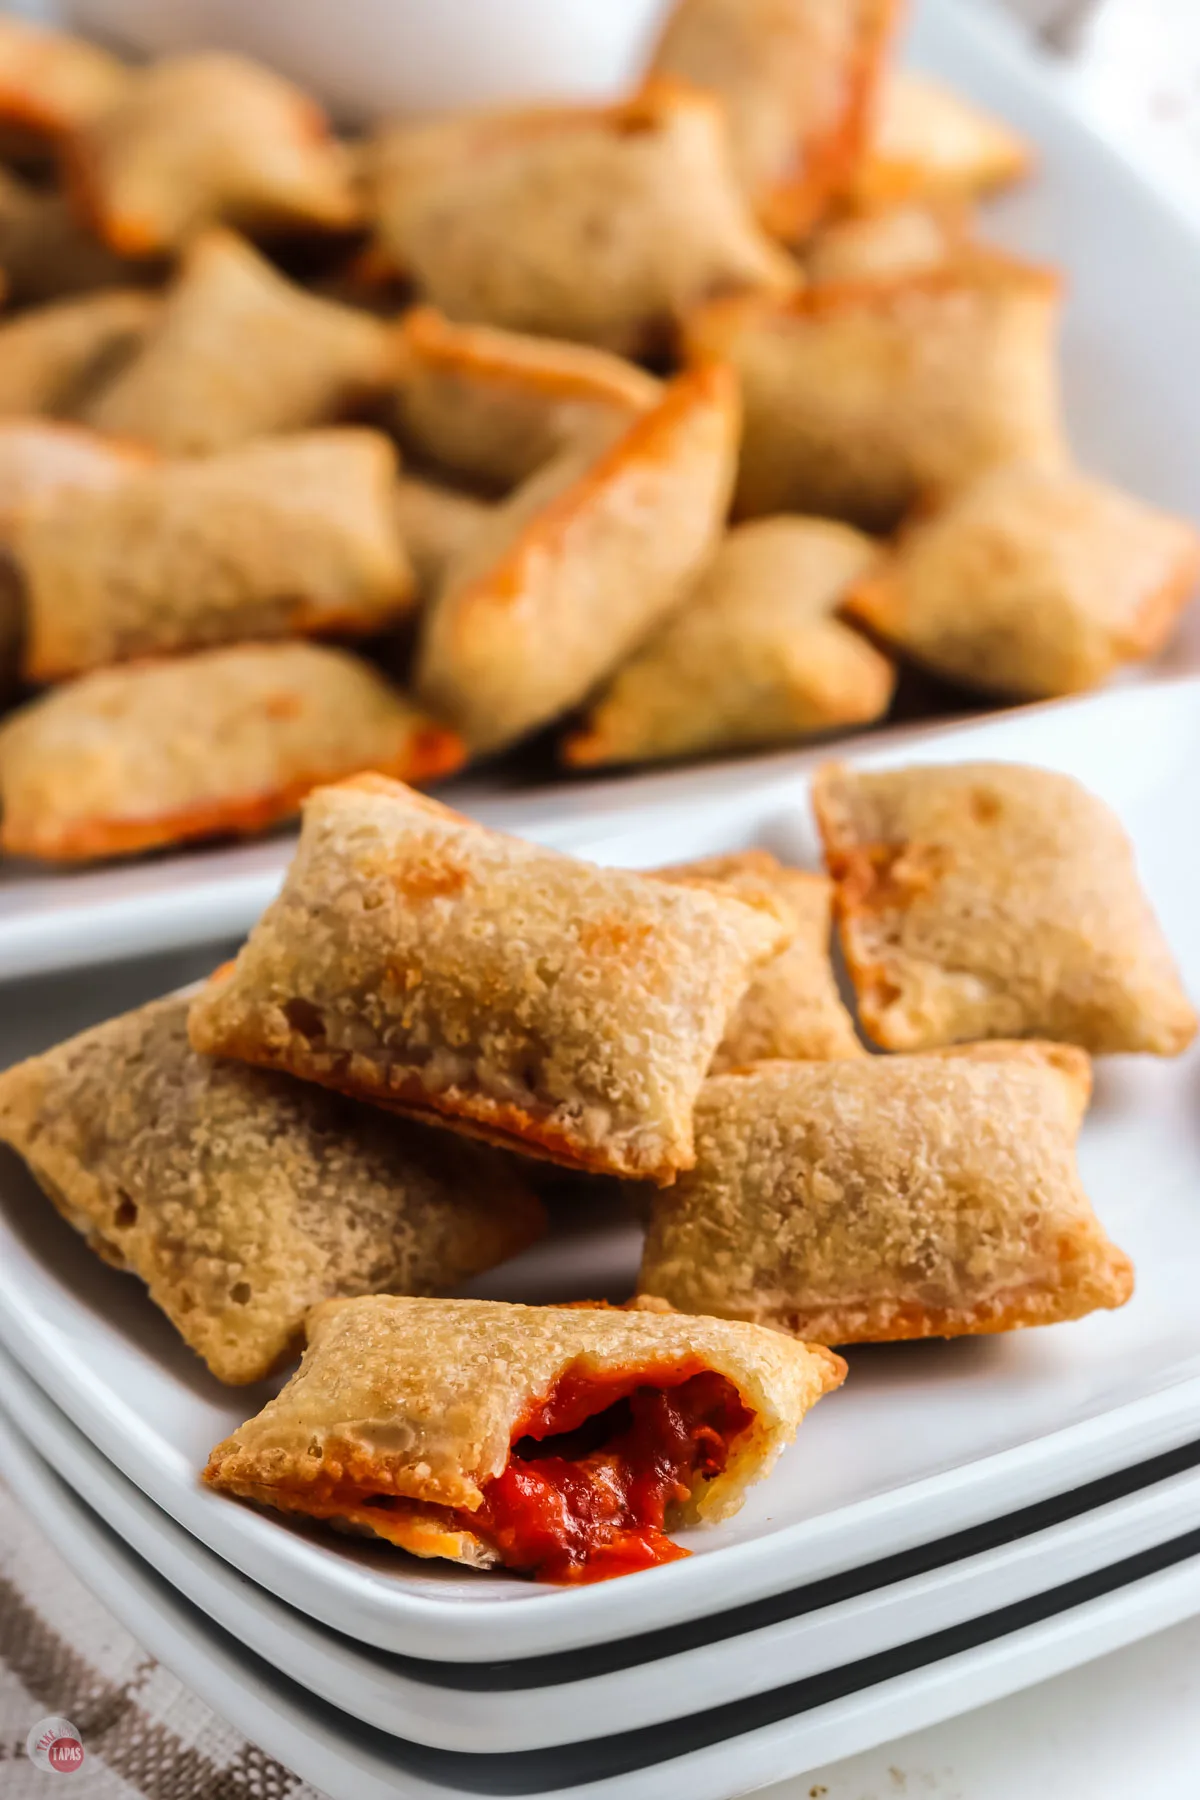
[[991, 900], [224, 741], [46, 253], [860, 399], [892, 1197], [289, 535], [241, 1197], [1033, 582], [579, 565], [436, 523], [927, 142], [240, 352], [885, 246], [416, 959], [50, 82], [205, 138], [792, 1008], [494, 406], [798, 80], [40, 457], [601, 224], [755, 655], [52, 358], [561, 1442]]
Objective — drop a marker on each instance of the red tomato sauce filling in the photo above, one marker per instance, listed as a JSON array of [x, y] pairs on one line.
[[596, 1467]]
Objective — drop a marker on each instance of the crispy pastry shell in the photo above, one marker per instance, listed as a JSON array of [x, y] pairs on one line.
[[224, 741], [985, 900], [928, 143], [583, 561], [798, 82], [53, 357], [599, 224], [436, 524], [289, 535], [792, 1009], [1033, 582], [754, 656], [495, 406], [862, 399], [201, 138], [240, 352], [52, 82], [420, 961], [241, 1198], [887, 1198], [420, 1400]]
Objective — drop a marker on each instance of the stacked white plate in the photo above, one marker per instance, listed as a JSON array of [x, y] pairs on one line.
[[963, 1519]]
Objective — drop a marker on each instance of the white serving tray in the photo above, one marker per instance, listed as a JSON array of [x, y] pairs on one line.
[[1133, 268], [925, 1440], [563, 1700], [732, 1751]]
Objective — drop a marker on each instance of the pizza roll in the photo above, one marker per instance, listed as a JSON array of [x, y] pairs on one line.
[[41, 457], [53, 357], [756, 655], [860, 399], [579, 565], [214, 1184], [225, 741], [416, 959], [494, 406], [47, 254], [560, 1442], [205, 138], [983, 900], [885, 246], [241, 352], [798, 81], [792, 1008], [289, 535], [892, 1197], [927, 142], [601, 224], [52, 83], [1033, 582], [436, 523]]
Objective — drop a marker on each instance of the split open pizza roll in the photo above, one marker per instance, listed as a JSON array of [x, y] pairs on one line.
[[887, 1198], [436, 524], [1033, 582], [579, 565], [415, 959], [601, 224], [286, 536], [54, 358], [929, 143], [226, 741], [198, 139], [242, 1198], [754, 655], [861, 399], [52, 83], [494, 406], [792, 1008], [557, 1442], [798, 80], [992, 900], [241, 352]]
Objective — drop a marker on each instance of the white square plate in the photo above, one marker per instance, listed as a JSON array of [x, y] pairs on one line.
[[925, 1439], [644, 1681], [731, 1751], [1133, 270]]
